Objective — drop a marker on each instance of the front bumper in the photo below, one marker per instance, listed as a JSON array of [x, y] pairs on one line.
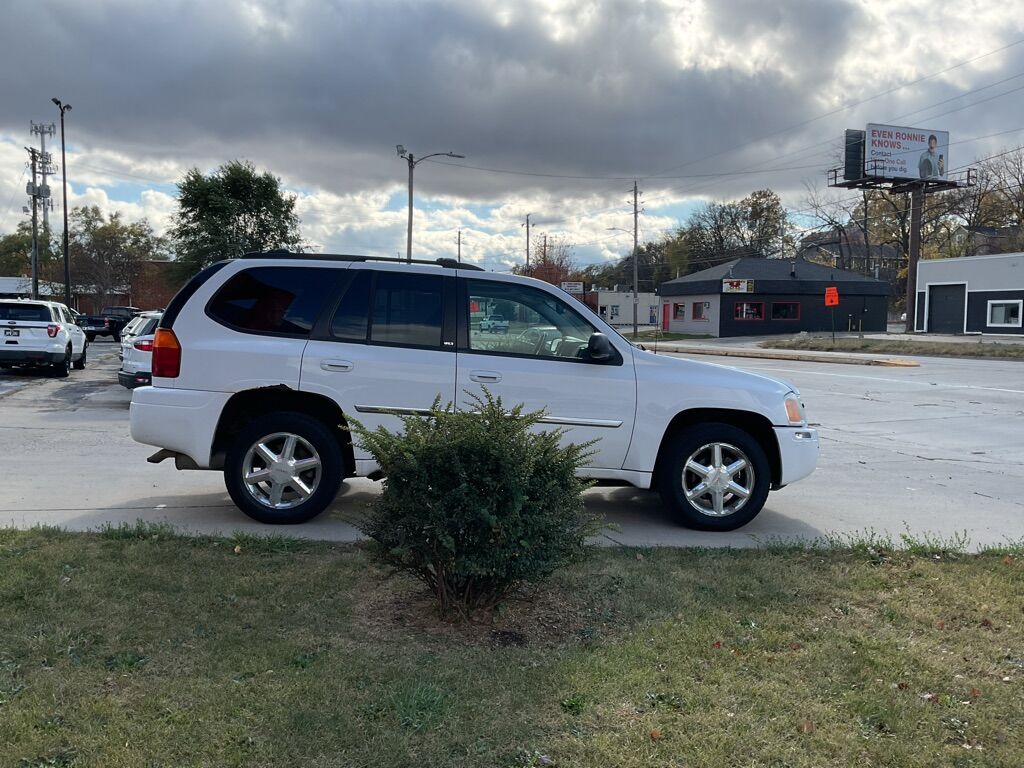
[[30, 356], [133, 380], [798, 451], [180, 420]]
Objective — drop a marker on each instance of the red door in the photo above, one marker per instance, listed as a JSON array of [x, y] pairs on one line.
[[664, 316]]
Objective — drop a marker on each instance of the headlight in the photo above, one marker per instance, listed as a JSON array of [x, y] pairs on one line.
[[795, 410]]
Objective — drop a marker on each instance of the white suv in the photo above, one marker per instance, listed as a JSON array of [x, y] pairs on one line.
[[259, 363], [41, 333], [137, 350]]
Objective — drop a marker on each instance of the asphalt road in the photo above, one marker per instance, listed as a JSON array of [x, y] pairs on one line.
[[935, 450]]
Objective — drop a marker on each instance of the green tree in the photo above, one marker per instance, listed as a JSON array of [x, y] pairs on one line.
[[107, 253], [232, 211], [16, 251]]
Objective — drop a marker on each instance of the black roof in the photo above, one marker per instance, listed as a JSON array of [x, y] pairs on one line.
[[774, 276]]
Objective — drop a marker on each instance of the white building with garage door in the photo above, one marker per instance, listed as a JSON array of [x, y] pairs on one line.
[[973, 294]]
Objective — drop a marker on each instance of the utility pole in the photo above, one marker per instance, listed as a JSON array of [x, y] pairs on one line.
[[460, 246], [64, 181], [545, 251], [914, 253], [408, 231], [33, 191], [45, 168], [528, 238], [413, 162], [636, 270]]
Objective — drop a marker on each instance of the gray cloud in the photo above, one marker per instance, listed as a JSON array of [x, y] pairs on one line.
[[320, 92]]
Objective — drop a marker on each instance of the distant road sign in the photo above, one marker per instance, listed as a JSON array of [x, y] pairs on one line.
[[831, 296], [570, 287]]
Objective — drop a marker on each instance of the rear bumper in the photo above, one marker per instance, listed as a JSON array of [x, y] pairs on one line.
[[133, 380], [798, 449], [30, 356], [180, 420]]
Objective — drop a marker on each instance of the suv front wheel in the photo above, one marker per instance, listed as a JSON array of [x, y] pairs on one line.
[[715, 477], [283, 468]]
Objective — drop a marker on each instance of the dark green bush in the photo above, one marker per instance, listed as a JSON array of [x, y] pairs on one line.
[[475, 503]]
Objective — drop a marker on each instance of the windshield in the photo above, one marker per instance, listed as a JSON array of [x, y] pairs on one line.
[[29, 313]]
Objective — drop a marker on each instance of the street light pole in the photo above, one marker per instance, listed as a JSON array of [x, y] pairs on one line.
[[64, 179], [413, 162]]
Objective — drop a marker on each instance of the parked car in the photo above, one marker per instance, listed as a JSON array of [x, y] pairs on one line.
[[258, 363], [137, 350], [41, 333], [494, 324], [109, 322]]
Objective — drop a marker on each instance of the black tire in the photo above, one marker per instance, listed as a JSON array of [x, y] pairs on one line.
[[63, 368], [117, 338], [90, 337], [315, 433], [672, 475], [79, 364]]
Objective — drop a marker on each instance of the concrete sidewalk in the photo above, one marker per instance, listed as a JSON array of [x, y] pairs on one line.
[[844, 358]]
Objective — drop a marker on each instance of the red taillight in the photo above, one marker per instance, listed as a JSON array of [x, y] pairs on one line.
[[52, 330], [146, 345], [106, 322], [166, 354]]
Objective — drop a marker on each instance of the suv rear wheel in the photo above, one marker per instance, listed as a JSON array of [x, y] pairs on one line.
[[62, 368], [715, 477], [79, 364], [283, 468]]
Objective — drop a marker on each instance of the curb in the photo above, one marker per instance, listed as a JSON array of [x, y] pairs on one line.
[[805, 357]]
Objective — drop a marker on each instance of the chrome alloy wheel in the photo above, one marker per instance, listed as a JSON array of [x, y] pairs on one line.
[[718, 478], [281, 470]]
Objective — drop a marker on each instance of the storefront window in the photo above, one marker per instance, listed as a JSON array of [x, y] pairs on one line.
[[749, 310], [1004, 314], [785, 310]]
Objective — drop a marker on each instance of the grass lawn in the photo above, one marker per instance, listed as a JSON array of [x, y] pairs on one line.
[[884, 347], [138, 648]]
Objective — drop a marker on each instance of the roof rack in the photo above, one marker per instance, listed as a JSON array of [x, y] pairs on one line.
[[285, 254]]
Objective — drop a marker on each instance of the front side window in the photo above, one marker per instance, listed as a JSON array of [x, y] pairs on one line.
[[282, 301], [678, 311], [1005, 314], [407, 309], [749, 310], [698, 311], [539, 324], [785, 310]]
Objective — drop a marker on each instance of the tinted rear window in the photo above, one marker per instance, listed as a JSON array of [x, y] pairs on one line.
[[29, 313], [407, 309], [278, 300]]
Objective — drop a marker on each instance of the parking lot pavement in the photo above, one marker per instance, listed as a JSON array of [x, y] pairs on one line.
[[929, 450]]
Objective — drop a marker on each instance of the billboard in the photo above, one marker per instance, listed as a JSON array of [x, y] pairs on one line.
[[895, 152]]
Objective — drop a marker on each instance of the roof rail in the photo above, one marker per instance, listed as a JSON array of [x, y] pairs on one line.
[[285, 254]]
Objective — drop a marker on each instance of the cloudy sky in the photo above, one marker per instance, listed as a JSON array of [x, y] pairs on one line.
[[557, 105]]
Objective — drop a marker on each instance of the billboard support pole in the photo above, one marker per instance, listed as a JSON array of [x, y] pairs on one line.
[[914, 254]]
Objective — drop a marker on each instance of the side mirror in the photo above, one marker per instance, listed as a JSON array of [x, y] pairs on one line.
[[599, 349]]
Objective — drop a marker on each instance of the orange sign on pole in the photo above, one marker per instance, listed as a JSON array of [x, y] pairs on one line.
[[831, 296]]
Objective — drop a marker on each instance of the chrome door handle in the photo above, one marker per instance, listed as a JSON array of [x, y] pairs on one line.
[[336, 365], [485, 377]]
